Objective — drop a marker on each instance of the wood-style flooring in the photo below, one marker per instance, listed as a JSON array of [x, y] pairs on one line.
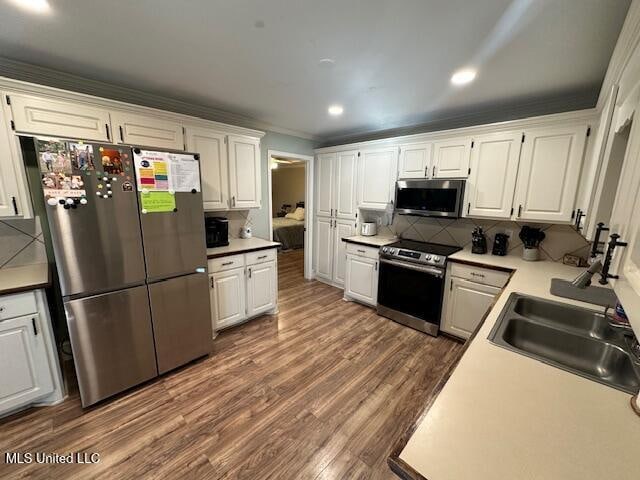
[[323, 390]]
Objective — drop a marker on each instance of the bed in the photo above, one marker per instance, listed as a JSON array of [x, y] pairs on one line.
[[289, 231]]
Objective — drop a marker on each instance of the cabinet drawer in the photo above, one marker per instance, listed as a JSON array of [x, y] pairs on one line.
[[260, 256], [17, 305], [485, 276], [226, 263], [362, 251]]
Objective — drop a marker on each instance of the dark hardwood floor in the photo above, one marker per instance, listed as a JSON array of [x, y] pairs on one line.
[[322, 390]]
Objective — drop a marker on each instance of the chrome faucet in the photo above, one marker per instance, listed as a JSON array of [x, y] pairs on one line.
[[584, 279]]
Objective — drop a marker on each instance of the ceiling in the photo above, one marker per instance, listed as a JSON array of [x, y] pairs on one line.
[[392, 60]]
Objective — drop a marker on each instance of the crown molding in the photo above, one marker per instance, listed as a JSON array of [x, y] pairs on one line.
[[38, 75]]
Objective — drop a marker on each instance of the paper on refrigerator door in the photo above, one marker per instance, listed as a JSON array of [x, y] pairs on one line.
[[185, 173], [152, 171]]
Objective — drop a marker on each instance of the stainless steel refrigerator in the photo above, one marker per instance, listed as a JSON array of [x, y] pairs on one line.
[[132, 271]]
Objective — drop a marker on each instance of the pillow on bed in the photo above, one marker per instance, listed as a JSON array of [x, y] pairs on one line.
[[297, 215]]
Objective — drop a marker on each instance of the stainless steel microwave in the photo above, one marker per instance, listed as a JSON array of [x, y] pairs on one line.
[[430, 198]]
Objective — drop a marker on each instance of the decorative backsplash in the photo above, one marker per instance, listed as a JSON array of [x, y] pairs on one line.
[[237, 219], [22, 243], [559, 240]]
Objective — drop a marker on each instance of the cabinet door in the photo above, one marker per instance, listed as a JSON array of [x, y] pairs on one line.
[[9, 175], [346, 185], [415, 160], [213, 166], [229, 297], [147, 131], [25, 374], [262, 282], [42, 116], [324, 184], [341, 229], [244, 172], [494, 168], [451, 158], [377, 177], [324, 248], [465, 305], [548, 173], [361, 279]]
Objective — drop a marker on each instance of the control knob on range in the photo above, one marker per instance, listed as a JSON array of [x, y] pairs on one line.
[[384, 249], [436, 258]]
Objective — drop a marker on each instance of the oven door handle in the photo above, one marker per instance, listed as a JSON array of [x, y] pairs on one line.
[[436, 272]]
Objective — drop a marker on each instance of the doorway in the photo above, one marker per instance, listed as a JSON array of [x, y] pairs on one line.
[[291, 206]]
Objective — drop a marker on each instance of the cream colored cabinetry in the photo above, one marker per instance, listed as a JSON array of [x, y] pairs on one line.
[[548, 173], [148, 131], [336, 180], [377, 171], [329, 250], [415, 161], [469, 293], [492, 181], [212, 147], [244, 172], [451, 158], [242, 286], [361, 277], [11, 172]]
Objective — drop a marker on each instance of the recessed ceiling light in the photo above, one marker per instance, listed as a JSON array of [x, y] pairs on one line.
[[327, 62], [35, 6], [335, 110], [464, 76]]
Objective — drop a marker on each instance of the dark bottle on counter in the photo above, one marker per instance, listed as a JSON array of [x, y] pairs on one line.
[[478, 241]]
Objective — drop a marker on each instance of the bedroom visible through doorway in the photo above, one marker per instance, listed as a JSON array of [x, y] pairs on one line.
[[289, 207]]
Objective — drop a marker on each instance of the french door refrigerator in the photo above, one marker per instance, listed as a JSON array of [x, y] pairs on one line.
[[127, 231]]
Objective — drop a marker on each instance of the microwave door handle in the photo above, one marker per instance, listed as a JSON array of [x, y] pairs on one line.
[[436, 272]]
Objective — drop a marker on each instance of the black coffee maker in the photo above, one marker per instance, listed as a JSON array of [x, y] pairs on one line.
[[500, 244], [478, 241], [217, 230]]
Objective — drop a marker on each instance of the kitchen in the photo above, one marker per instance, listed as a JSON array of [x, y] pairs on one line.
[[465, 304]]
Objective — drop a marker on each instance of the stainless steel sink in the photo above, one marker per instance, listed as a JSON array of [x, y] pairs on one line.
[[571, 338]]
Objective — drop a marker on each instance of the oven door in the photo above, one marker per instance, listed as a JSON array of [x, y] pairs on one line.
[[411, 294], [431, 198]]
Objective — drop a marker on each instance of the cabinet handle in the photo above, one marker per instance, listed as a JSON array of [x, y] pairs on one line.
[[233, 201], [121, 134], [360, 251], [225, 264], [106, 126], [519, 210], [468, 208], [474, 274], [15, 205], [35, 327], [249, 273], [262, 256], [433, 174], [211, 280], [376, 266], [426, 172]]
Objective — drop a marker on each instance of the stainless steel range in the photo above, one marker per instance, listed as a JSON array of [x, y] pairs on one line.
[[411, 283]]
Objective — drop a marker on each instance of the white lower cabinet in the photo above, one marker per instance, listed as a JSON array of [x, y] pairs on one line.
[[30, 372], [469, 293], [361, 278], [242, 286]]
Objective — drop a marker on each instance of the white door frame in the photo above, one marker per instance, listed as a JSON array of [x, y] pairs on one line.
[[308, 204]]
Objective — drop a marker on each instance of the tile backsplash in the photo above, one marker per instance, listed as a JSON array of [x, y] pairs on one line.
[[559, 240], [237, 219], [22, 243]]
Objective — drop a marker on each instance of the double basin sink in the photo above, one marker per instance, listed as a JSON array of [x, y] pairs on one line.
[[574, 339]]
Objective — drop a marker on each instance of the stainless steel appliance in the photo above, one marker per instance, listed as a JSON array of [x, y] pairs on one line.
[[430, 198], [217, 229], [132, 270], [411, 283], [368, 229]]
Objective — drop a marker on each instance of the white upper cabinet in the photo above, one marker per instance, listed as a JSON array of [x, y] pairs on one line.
[[415, 161], [147, 131], [212, 148], [346, 185], [10, 205], [377, 177], [43, 116], [244, 172], [451, 158], [548, 174], [324, 182], [494, 168]]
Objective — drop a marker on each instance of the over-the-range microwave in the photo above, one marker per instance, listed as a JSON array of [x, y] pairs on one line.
[[430, 198]]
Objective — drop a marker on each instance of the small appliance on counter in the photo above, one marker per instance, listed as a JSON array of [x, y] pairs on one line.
[[245, 232], [217, 231], [531, 238], [500, 244], [478, 241], [368, 229]]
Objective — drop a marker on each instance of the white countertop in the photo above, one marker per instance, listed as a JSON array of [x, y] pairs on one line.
[[26, 277], [240, 245], [373, 241], [502, 415]]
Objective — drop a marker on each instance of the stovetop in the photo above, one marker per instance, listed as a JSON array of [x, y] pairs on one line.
[[419, 252]]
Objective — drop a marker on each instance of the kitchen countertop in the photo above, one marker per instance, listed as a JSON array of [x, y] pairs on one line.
[[241, 245], [502, 415], [370, 241], [26, 277]]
